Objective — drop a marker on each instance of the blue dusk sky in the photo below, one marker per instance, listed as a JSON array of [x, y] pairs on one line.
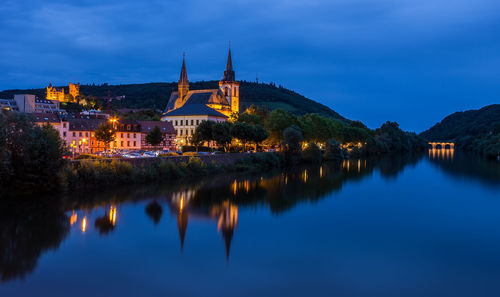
[[410, 61]]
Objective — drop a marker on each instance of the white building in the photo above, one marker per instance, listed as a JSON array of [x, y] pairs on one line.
[[186, 118]]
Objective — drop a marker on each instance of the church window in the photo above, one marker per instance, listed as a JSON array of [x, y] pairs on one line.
[[226, 91]]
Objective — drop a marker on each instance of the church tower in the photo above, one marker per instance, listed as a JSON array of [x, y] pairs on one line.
[[183, 85], [229, 87]]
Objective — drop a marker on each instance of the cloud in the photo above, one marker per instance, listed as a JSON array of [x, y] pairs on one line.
[[367, 59]]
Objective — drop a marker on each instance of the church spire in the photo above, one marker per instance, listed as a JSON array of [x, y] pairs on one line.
[[229, 74], [183, 85], [183, 79]]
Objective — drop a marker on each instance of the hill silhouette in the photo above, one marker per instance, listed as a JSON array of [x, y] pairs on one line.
[[473, 130], [465, 123], [156, 95]]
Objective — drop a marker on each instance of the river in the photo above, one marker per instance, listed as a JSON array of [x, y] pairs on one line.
[[403, 226]]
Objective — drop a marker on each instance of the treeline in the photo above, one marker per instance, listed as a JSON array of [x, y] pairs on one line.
[[284, 129], [473, 130]]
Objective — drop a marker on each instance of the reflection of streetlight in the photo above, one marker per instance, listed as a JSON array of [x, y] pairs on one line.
[[84, 224]]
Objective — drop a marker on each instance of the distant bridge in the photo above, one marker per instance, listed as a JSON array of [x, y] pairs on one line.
[[442, 145]]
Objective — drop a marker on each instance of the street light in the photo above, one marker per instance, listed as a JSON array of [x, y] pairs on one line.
[[113, 121]]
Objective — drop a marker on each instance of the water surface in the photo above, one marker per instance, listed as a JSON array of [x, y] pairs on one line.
[[402, 226]]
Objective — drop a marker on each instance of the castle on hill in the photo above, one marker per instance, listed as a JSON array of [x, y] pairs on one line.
[[57, 94]]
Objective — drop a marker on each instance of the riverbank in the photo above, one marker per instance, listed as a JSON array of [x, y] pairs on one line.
[[103, 173]]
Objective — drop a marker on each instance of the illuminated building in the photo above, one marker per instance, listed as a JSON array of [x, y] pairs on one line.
[[57, 94], [186, 109]]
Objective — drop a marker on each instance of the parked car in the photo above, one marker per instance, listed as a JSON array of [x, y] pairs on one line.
[[150, 154]]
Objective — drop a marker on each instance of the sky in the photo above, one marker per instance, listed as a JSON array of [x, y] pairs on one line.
[[409, 61]]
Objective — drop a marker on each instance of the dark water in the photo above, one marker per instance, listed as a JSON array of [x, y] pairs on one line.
[[405, 226]]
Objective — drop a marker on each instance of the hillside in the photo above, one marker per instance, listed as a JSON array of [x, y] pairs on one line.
[[466, 123], [155, 96], [473, 130]]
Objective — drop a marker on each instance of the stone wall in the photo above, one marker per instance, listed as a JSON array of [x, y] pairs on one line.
[[219, 159]]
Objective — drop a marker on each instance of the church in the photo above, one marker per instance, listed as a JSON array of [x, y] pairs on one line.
[[186, 109]]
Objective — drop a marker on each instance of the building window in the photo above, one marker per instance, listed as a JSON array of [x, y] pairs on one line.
[[134, 135], [86, 134], [128, 143], [181, 131], [64, 125], [128, 135], [121, 135], [128, 127], [181, 122], [121, 143], [176, 122], [192, 122], [134, 143], [80, 134], [226, 92], [74, 134], [64, 133], [197, 122]]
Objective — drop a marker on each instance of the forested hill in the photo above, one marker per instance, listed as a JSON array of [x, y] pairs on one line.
[[465, 124], [155, 96]]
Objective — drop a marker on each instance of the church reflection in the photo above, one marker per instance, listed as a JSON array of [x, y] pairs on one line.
[[224, 214], [27, 231]]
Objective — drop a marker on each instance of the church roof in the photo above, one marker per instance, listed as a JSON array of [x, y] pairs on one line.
[[211, 96], [194, 109]]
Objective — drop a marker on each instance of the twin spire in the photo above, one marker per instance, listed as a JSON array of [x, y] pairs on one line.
[[229, 74], [184, 76]]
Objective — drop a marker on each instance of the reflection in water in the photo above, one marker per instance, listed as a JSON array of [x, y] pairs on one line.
[[442, 153], [462, 165], [26, 231], [154, 211]]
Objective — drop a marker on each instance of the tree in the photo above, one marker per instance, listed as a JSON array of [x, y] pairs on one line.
[[105, 133], [292, 137], [243, 132], [155, 136], [221, 133], [259, 135], [277, 121], [30, 156], [253, 119], [496, 128], [204, 131]]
